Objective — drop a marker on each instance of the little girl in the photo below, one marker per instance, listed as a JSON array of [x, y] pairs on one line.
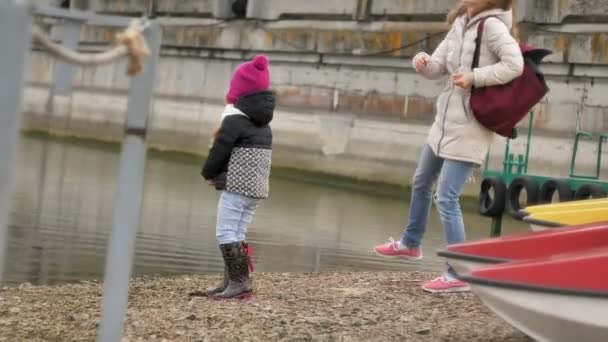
[[239, 166]]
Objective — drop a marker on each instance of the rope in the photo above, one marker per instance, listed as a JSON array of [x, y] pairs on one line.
[[403, 47], [130, 42], [369, 54]]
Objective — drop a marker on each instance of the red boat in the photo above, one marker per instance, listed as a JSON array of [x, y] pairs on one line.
[[468, 256], [551, 299]]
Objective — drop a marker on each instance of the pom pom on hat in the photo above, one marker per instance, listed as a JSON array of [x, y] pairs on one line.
[[249, 77], [260, 62]]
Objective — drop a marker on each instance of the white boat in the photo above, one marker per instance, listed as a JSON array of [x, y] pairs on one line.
[[553, 300]]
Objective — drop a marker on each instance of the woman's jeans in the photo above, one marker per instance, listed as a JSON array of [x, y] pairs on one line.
[[234, 214], [451, 176]]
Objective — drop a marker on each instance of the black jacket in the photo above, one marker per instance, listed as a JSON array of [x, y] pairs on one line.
[[240, 159]]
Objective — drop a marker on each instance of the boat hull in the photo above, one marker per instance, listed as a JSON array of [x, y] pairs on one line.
[[538, 227], [548, 316], [466, 266], [565, 206], [468, 256], [572, 217]]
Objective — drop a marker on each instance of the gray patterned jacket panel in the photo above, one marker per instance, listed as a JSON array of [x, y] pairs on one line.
[[249, 171]]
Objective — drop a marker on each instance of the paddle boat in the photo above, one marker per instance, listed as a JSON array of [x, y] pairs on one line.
[[558, 218], [552, 299], [468, 256], [566, 206]]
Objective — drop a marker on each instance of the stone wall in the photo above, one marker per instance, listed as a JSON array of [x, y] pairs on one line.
[[349, 101], [275, 9], [560, 11], [393, 8], [537, 11]]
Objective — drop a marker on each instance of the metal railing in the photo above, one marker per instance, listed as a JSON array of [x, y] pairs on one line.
[[15, 25]]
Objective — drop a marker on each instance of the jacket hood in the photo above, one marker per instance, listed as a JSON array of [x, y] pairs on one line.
[[259, 107], [504, 16]]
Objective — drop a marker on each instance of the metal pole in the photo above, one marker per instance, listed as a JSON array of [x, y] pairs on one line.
[[505, 161], [520, 164], [70, 37], [603, 138], [496, 226], [530, 128], [15, 34], [121, 249]]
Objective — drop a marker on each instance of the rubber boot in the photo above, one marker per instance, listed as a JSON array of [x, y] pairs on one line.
[[236, 257], [211, 291]]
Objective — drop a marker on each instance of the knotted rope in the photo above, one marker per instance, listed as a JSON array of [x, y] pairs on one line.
[[130, 42]]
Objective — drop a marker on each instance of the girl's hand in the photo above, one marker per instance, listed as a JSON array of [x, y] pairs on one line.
[[463, 80], [422, 61]]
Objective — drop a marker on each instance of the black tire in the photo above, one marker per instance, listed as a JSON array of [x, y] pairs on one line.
[[488, 206], [517, 186], [550, 187], [588, 191]]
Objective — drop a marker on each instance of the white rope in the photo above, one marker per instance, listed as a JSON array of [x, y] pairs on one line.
[[130, 43]]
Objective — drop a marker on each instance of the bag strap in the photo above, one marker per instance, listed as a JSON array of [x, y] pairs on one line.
[[480, 28]]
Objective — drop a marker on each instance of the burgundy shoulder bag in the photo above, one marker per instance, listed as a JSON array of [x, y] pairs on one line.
[[500, 108]]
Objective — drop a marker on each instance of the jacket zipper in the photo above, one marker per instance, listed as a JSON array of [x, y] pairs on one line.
[[445, 111]]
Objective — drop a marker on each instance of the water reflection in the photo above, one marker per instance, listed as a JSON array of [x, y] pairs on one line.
[[63, 206]]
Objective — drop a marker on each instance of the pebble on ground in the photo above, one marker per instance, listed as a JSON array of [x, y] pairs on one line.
[[358, 306]]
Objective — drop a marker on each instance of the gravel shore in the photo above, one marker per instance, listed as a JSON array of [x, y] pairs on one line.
[[361, 306]]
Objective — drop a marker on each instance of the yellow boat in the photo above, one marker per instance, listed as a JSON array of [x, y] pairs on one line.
[[568, 206], [559, 218]]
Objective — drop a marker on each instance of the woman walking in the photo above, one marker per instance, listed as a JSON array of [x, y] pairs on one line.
[[457, 143]]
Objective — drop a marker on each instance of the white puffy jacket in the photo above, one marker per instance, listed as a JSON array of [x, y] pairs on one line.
[[455, 134]]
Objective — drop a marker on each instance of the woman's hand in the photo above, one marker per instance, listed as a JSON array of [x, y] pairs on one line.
[[463, 79], [422, 61]]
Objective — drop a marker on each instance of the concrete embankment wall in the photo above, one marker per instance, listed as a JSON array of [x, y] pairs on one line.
[[349, 102]]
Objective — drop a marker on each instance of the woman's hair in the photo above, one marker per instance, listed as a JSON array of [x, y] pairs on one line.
[[461, 8]]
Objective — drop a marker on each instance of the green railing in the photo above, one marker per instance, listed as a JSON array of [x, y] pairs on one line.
[[514, 166]]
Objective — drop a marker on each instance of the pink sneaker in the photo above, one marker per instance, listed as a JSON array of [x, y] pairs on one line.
[[393, 249], [443, 284]]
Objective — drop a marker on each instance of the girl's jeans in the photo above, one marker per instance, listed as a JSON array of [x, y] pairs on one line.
[[451, 176], [234, 214]]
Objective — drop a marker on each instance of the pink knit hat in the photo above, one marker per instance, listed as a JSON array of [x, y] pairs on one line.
[[249, 77]]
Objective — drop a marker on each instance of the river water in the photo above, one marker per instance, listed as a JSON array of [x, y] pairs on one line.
[[63, 203]]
